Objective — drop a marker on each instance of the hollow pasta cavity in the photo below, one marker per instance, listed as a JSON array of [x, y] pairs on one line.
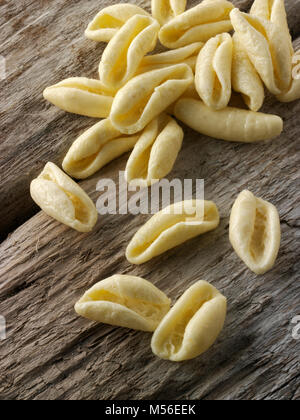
[[193, 324], [171, 227], [254, 232], [146, 96], [61, 198], [126, 301]]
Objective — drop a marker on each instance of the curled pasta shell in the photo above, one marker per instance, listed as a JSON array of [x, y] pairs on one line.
[[95, 148], [293, 93], [192, 326], [106, 23], [124, 301], [198, 24], [165, 10], [254, 232], [155, 153], [146, 96], [213, 72], [171, 227], [82, 96], [124, 53], [187, 55], [273, 11], [61, 198], [268, 49], [231, 124], [245, 79]]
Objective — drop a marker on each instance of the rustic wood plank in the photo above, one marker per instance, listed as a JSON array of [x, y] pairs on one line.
[[45, 267], [43, 45]]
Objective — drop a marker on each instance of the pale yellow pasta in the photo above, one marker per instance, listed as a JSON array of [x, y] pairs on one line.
[[254, 232], [192, 326], [187, 55], [146, 96], [82, 96], [124, 53], [268, 49], [155, 153], [230, 124], [95, 148], [107, 23], [171, 227], [293, 93], [61, 198], [245, 78], [274, 11], [198, 24], [213, 72], [165, 10], [124, 301]]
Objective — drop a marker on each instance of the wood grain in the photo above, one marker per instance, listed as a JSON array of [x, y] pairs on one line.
[[45, 267], [43, 43]]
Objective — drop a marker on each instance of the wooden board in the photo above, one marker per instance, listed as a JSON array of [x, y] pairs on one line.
[[45, 267]]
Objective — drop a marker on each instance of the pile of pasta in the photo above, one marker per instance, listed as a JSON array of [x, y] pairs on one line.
[[214, 51]]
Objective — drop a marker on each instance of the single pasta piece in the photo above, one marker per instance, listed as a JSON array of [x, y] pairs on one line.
[[293, 93], [171, 227], [124, 301], [213, 72], [146, 96], [268, 49], [61, 198], [254, 232], [82, 96], [124, 53], [198, 24], [245, 79], [155, 153], [165, 10], [107, 23], [274, 11], [187, 55], [95, 148], [231, 124], [192, 326]]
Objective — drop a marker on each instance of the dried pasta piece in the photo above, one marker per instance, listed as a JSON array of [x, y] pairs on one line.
[[245, 79], [192, 326], [95, 148], [165, 10], [82, 96], [187, 55], [213, 72], [293, 93], [198, 24], [171, 227], [273, 11], [124, 301], [146, 96], [155, 153], [61, 198], [124, 53], [107, 23], [254, 232], [268, 49], [231, 124]]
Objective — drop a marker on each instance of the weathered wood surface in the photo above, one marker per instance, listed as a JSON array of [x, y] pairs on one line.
[[44, 267], [43, 43]]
